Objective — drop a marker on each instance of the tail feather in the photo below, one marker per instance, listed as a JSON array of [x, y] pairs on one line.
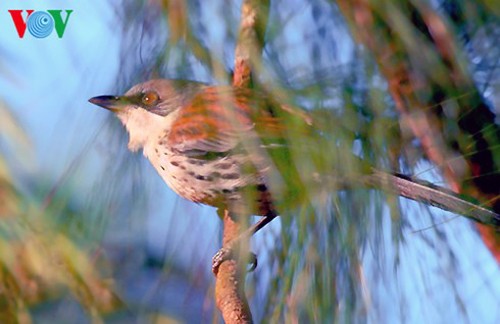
[[426, 192]]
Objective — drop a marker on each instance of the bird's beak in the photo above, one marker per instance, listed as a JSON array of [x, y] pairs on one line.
[[112, 103]]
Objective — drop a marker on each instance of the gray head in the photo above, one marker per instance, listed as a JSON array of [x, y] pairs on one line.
[[158, 96], [149, 107]]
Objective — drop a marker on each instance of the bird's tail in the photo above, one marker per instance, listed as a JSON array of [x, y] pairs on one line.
[[428, 193]]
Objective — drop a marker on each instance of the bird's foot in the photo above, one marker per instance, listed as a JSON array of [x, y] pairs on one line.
[[227, 253]]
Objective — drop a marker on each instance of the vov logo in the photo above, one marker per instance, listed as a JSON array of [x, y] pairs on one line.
[[40, 24]]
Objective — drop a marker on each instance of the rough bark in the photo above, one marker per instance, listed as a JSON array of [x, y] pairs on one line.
[[230, 284]]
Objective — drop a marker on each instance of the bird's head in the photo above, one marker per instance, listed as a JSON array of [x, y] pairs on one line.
[[159, 97], [147, 106]]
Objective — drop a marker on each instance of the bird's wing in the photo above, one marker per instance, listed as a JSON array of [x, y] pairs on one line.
[[219, 119]]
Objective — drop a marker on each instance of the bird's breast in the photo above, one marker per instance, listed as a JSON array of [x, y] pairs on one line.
[[201, 180]]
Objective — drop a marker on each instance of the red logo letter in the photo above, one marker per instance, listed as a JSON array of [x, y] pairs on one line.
[[19, 22]]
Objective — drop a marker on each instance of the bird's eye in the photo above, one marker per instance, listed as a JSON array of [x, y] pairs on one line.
[[149, 98]]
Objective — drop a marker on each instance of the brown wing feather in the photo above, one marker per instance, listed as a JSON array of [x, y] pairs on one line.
[[217, 119]]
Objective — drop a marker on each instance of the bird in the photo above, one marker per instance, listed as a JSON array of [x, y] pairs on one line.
[[231, 148]]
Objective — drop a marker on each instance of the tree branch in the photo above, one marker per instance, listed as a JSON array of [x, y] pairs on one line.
[[230, 282]]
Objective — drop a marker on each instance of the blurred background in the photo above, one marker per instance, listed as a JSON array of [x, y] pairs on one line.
[[90, 233]]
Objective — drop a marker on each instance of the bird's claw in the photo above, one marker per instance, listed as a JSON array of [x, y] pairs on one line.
[[226, 253], [252, 261], [222, 255]]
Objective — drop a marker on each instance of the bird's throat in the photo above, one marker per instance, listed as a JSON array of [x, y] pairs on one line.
[[144, 127]]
